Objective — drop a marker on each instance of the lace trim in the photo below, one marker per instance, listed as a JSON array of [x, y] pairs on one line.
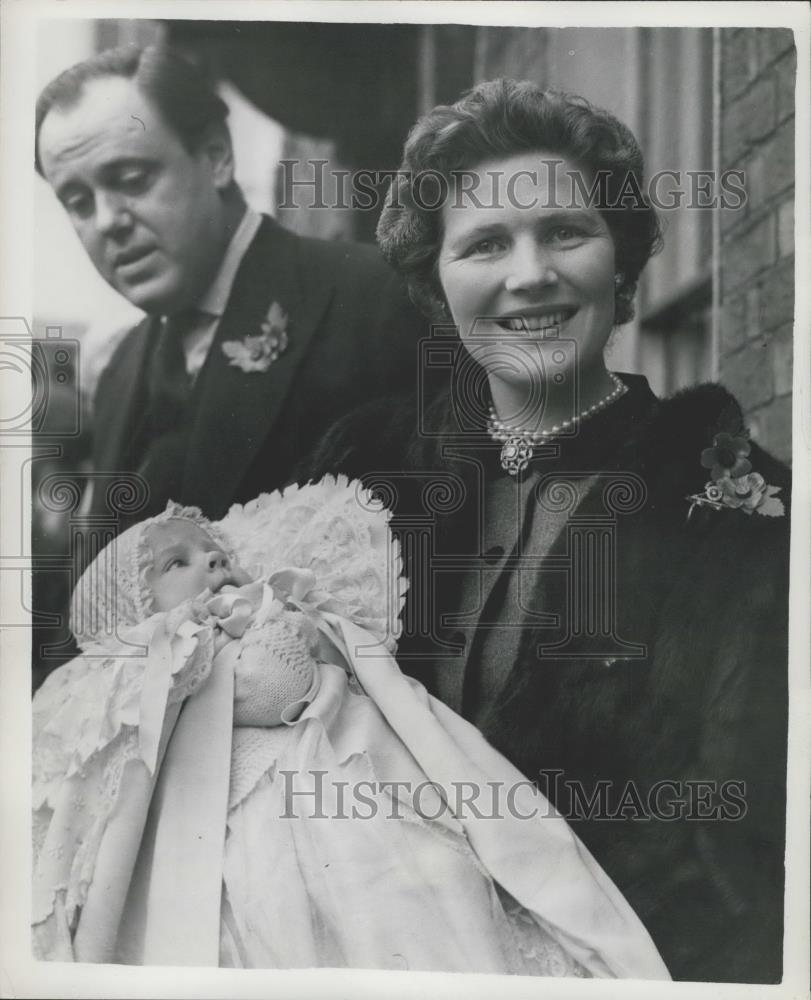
[[81, 719], [84, 861], [116, 579], [338, 531], [93, 735], [538, 952], [70, 861], [196, 669]]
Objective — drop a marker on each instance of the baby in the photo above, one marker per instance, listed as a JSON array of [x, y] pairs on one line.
[[186, 562], [192, 771]]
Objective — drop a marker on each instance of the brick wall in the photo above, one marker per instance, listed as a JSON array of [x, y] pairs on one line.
[[757, 247]]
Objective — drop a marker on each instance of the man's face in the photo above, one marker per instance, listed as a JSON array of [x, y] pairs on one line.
[[149, 213]]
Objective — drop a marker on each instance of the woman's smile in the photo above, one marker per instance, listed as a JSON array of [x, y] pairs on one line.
[[529, 321]]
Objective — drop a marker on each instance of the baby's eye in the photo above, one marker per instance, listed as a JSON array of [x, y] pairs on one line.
[[172, 564]]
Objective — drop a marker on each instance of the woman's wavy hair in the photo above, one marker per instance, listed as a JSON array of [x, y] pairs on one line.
[[498, 119]]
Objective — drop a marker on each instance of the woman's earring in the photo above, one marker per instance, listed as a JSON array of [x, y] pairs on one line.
[[619, 279]]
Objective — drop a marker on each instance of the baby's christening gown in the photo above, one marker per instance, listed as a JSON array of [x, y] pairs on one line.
[[334, 835]]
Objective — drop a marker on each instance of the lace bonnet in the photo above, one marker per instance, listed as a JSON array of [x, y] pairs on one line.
[[112, 592]]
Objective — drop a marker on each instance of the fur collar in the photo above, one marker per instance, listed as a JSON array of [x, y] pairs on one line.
[[666, 448], [662, 441]]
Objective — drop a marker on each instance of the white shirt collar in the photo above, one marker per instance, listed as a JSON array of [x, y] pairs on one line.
[[215, 299]]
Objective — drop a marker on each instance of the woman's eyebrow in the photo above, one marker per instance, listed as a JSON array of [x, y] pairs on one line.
[[478, 231], [575, 213]]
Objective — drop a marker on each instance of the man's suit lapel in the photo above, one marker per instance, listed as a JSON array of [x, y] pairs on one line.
[[124, 394], [233, 410]]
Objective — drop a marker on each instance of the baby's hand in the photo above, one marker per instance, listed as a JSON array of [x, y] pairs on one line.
[[274, 672]]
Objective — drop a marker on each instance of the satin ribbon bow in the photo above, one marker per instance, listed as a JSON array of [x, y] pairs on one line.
[[297, 587], [234, 610]]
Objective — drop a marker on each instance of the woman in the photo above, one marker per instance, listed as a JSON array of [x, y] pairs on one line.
[[601, 576]]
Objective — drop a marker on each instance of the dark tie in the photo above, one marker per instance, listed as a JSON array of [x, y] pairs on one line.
[[169, 386], [162, 445]]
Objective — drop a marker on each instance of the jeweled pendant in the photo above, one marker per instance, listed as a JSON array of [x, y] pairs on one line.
[[516, 454]]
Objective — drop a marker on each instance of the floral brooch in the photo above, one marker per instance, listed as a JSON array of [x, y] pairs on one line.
[[732, 483], [258, 352]]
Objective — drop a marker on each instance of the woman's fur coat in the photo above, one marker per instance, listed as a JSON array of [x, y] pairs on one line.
[[670, 764]]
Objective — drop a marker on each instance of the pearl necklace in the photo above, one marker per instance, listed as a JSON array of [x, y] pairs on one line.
[[518, 442]]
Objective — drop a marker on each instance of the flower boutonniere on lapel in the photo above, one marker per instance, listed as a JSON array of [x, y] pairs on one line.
[[732, 483], [257, 352]]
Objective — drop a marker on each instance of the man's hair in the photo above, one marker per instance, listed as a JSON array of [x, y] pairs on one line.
[[179, 89], [497, 120]]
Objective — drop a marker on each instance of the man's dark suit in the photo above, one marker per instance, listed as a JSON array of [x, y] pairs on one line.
[[352, 336]]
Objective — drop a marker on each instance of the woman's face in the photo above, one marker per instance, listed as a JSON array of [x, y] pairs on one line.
[[531, 262]]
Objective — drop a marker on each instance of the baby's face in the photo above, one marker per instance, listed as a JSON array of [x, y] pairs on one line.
[[185, 562]]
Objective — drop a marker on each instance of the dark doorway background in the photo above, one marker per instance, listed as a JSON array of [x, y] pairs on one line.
[[360, 85]]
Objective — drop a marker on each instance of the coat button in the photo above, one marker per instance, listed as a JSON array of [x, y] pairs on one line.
[[494, 555]]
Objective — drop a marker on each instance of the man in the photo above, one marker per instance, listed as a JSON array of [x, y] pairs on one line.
[[255, 340]]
